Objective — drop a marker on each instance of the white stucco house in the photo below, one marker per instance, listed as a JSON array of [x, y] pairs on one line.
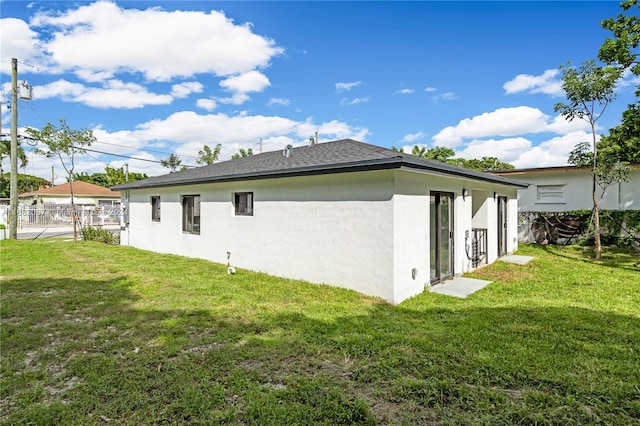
[[555, 191], [84, 193], [567, 188], [342, 213]]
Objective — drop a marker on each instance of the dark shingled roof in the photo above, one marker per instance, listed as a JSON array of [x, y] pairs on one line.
[[340, 156]]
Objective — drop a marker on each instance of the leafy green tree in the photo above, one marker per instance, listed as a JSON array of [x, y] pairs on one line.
[[26, 183], [242, 153], [621, 51], [173, 162], [483, 164], [5, 152], [589, 90], [440, 153], [206, 156], [63, 143], [112, 176]]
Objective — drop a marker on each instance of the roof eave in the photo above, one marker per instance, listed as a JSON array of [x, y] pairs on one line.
[[358, 166]]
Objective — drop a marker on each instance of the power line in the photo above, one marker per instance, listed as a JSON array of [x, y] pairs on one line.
[[125, 156], [148, 150]]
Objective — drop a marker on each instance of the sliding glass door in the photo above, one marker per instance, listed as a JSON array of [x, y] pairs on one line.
[[441, 236], [502, 226]]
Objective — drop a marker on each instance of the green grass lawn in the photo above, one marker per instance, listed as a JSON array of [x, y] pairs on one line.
[[98, 334]]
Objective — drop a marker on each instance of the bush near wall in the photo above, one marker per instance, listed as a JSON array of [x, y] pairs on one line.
[[90, 233], [618, 227]]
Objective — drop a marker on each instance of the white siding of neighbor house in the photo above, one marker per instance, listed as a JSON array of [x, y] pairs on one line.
[[363, 231], [576, 185]]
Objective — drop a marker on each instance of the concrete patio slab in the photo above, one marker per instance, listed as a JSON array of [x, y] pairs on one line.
[[520, 260], [459, 287]]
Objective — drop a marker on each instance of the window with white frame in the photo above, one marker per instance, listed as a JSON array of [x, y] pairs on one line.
[[155, 208], [550, 193], [191, 214], [243, 202]]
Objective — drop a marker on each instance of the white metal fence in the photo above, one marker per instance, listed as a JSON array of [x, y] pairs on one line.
[[60, 215]]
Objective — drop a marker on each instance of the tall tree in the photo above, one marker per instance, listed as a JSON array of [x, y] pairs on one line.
[[589, 90], [5, 152], [440, 153], [242, 153], [206, 156], [172, 162], [26, 183], [111, 176], [621, 51], [483, 164], [64, 143]]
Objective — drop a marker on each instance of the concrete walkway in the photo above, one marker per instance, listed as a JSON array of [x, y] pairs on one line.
[[459, 287], [512, 258]]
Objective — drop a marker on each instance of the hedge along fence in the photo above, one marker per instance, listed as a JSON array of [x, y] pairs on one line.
[[617, 227]]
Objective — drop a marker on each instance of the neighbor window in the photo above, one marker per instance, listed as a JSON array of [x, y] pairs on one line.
[[191, 214], [550, 194], [243, 202], [155, 208]]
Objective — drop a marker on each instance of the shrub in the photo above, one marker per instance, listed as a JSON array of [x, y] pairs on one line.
[[90, 233]]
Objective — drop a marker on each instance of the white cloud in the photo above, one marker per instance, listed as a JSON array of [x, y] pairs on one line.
[[206, 104], [182, 90], [404, 92], [521, 152], [552, 152], [449, 96], [240, 85], [412, 137], [501, 122], [82, 41], [506, 150], [344, 87], [354, 101], [18, 41], [113, 94], [278, 101], [186, 132], [430, 89], [547, 83]]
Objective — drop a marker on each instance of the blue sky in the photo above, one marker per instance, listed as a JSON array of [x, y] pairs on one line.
[[155, 78]]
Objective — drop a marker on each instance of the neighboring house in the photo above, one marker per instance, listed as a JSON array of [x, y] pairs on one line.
[[565, 189], [343, 213], [84, 193], [49, 207]]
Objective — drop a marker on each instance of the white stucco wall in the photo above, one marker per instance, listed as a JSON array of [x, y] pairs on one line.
[[364, 231], [577, 185], [334, 229]]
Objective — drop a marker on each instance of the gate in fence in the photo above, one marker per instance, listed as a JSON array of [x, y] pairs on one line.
[[60, 215]]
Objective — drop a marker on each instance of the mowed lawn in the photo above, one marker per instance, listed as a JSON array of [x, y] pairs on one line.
[[98, 334]]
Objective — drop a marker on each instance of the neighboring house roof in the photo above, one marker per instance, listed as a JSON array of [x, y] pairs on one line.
[[567, 168], [80, 189], [340, 156]]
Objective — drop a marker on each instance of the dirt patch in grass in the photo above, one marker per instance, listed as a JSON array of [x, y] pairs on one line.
[[507, 274]]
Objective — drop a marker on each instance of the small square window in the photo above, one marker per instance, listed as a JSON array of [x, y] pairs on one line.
[[550, 194], [155, 208], [191, 214], [243, 202]]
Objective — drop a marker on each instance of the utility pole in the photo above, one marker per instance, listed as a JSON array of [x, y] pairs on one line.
[[13, 183]]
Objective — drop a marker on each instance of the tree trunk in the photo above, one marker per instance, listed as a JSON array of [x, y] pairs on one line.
[[74, 216], [596, 212], [596, 208]]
